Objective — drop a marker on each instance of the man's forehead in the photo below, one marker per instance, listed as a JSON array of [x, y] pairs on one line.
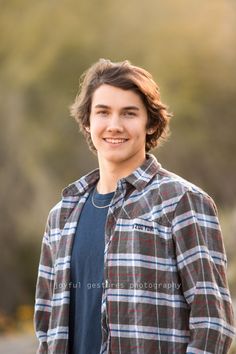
[[107, 94]]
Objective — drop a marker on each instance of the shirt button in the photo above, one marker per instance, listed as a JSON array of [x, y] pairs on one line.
[[106, 284]]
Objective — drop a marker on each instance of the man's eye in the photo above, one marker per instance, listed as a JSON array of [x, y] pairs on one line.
[[102, 113], [130, 114]]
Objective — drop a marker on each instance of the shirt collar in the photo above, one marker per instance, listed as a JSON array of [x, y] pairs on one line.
[[138, 178], [82, 185], [144, 174]]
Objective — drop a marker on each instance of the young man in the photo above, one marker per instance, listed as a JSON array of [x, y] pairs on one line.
[[132, 258]]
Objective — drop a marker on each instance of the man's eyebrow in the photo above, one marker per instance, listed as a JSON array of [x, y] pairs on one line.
[[101, 106], [131, 107]]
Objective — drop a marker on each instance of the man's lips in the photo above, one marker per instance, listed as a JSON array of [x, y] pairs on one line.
[[115, 140]]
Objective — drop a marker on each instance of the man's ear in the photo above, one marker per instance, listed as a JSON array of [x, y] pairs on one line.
[[150, 131]]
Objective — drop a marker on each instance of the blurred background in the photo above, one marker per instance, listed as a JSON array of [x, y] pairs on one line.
[[188, 46]]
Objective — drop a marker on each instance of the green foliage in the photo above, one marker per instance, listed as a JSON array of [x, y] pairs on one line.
[[189, 47]]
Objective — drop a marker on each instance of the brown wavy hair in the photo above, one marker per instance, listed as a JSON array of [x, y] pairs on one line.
[[126, 76]]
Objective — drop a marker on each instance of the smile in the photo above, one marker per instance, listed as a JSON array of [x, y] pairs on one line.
[[115, 140]]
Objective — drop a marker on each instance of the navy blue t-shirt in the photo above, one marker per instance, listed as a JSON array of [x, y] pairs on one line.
[[87, 266]]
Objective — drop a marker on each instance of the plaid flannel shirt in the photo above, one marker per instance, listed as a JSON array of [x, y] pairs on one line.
[[165, 288]]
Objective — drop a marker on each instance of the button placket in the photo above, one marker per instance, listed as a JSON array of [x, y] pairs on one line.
[[110, 226]]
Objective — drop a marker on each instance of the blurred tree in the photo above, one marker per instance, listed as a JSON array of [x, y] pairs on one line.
[[46, 45]]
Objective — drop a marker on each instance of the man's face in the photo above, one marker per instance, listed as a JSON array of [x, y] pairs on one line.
[[118, 123]]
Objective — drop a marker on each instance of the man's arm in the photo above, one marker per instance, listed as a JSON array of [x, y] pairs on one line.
[[201, 262], [44, 289]]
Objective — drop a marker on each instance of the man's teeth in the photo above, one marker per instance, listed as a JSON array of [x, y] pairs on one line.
[[115, 141]]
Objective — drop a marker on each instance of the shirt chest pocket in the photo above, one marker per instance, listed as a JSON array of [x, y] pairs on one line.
[[144, 237]]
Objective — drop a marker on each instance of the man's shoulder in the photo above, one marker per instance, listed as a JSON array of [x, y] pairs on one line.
[[54, 214], [171, 185], [71, 194], [57, 207]]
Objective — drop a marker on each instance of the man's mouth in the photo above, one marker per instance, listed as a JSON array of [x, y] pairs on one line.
[[115, 140]]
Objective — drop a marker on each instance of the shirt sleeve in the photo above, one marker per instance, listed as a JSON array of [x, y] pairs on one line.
[[201, 262], [44, 290]]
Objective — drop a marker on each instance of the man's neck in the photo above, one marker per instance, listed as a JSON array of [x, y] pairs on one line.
[[110, 175]]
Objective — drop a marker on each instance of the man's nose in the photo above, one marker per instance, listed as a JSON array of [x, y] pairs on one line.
[[115, 123]]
